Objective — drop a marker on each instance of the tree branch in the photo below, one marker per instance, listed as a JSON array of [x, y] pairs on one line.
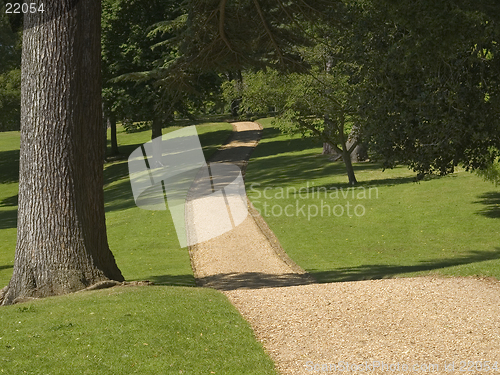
[[322, 136], [222, 19], [268, 30]]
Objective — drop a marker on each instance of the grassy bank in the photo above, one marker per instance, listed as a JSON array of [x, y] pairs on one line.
[[170, 328], [130, 330]]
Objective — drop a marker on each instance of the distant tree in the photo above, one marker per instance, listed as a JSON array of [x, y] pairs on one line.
[[10, 73], [320, 100], [491, 173], [10, 100], [61, 235], [126, 48], [316, 104]]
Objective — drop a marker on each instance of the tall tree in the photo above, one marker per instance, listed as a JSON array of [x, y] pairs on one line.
[[61, 239], [126, 49]]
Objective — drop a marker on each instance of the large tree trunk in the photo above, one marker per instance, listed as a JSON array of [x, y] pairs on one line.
[[61, 237]]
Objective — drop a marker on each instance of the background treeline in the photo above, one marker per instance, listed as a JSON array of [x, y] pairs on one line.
[[10, 70], [412, 82]]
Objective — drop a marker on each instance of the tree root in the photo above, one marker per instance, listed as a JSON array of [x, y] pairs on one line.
[[112, 283], [104, 284]]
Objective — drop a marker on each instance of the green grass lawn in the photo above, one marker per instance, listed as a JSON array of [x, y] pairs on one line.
[[389, 226], [171, 328], [130, 330]]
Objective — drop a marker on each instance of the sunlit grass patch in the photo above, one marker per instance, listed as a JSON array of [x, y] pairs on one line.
[[389, 225]]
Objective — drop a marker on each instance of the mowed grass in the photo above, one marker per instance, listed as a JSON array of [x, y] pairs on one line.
[[144, 242], [9, 174], [130, 330], [388, 226], [171, 328]]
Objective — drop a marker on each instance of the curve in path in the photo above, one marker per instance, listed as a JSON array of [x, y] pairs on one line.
[[434, 324], [244, 257]]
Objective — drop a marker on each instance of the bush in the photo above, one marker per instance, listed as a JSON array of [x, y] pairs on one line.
[[133, 127]]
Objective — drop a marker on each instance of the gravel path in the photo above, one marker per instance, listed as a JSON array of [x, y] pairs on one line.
[[413, 321], [424, 325]]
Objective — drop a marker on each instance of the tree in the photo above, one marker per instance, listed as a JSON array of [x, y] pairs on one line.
[[226, 37], [127, 51], [491, 173], [318, 104], [255, 35], [10, 72], [61, 239], [431, 91]]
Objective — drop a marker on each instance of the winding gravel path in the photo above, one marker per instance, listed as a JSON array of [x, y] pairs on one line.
[[419, 325]]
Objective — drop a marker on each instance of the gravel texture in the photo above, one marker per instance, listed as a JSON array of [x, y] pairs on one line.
[[409, 321], [407, 325]]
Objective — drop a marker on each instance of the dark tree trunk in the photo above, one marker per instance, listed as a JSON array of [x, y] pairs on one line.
[[346, 154], [359, 153], [235, 104], [112, 126], [350, 170], [156, 127], [61, 237]]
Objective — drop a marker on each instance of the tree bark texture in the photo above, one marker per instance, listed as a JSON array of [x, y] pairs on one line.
[[61, 238]]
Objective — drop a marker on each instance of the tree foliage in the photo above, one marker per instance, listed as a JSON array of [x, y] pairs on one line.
[[126, 48], [10, 73], [431, 87], [227, 35]]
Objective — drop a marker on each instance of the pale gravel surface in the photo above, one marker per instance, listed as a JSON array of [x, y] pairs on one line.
[[410, 321], [407, 321]]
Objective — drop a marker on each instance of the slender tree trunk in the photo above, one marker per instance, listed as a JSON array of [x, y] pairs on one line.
[[348, 165], [235, 104], [346, 155], [61, 238], [112, 126], [327, 149]]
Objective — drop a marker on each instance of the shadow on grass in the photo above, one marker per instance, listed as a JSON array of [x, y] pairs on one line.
[[8, 219], [382, 271], [253, 280], [117, 196], [290, 169], [281, 146], [10, 201], [491, 201], [6, 267], [173, 280], [9, 166], [211, 140]]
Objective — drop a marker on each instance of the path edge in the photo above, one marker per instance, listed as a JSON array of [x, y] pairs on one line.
[[257, 218]]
